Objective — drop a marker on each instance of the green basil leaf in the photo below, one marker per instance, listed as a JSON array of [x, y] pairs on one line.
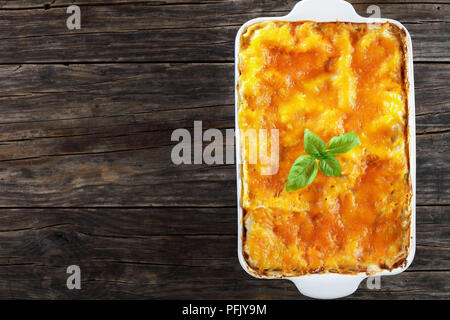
[[313, 144], [325, 155], [344, 143], [303, 172], [330, 167]]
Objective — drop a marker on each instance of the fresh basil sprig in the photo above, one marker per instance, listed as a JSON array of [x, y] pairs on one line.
[[304, 169]]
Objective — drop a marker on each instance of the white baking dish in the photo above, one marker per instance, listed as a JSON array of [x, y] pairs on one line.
[[331, 285]]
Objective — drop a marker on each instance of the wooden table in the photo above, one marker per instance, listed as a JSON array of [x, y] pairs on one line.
[[85, 170]]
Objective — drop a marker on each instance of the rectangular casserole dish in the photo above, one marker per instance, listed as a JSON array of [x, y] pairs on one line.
[[331, 285]]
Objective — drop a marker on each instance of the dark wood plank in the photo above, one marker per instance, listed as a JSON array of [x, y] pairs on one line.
[[135, 222], [105, 280], [132, 93], [173, 253], [23, 4], [155, 31], [432, 238], [99, 135]]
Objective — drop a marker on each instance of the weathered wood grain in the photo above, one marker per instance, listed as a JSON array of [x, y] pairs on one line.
[[115, 280], [155, 31], [98, 135], [89, 135], [173, 253]]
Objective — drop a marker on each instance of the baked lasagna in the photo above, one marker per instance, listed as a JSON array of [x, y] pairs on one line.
[[331, 78]]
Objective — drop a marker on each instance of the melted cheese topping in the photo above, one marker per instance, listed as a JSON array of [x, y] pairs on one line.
[[331, 78]]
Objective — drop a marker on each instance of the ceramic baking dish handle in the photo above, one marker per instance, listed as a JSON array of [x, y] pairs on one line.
[[327, 286], [323, 10]]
